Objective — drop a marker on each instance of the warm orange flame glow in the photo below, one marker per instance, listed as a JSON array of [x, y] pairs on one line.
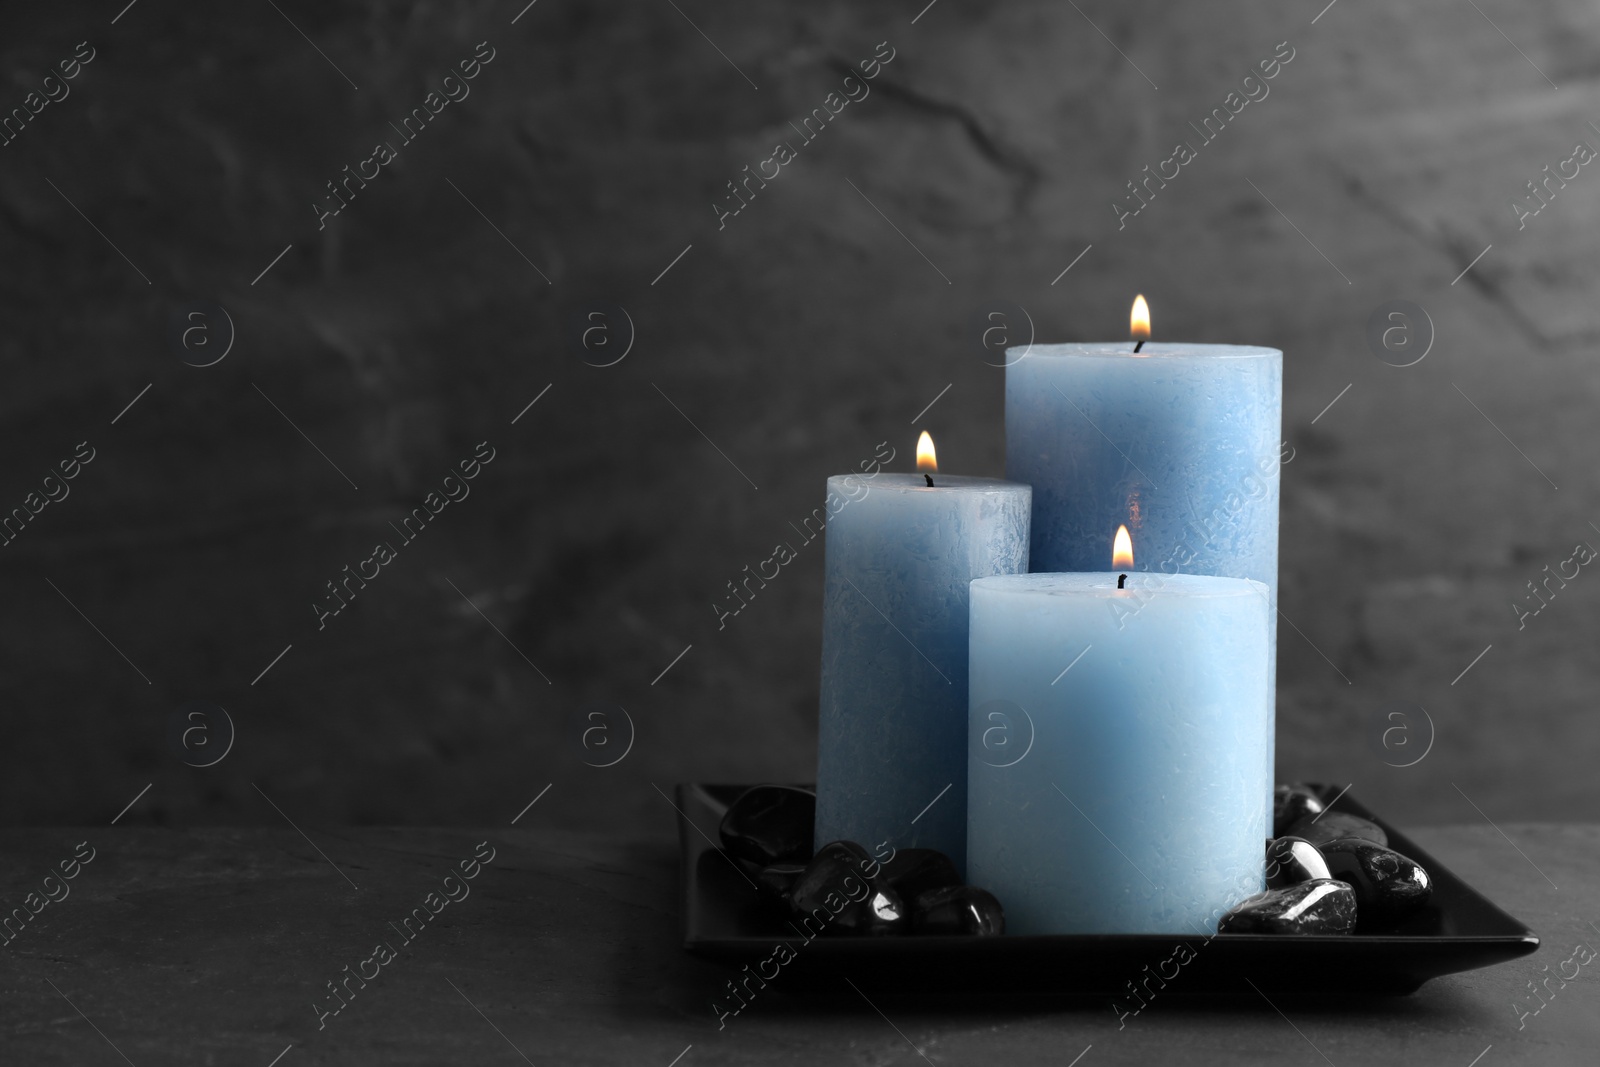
[[1139, 320], [926, 460], [1122, 551]]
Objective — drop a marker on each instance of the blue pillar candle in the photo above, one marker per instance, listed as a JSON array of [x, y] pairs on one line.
[[892, 731], [1180, 442], [1118, 783]]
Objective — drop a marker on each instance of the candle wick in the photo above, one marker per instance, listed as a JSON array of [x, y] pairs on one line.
[[1138, 346], [929, 477], [1122, 581]]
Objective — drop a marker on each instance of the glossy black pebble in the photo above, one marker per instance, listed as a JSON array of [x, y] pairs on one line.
[[1290, 804], [914, 871], [836, 889], [1325, 906], [1333, 825], [778, 878], [1388, 886], [958, 909], [1292, 860], [771, 824]]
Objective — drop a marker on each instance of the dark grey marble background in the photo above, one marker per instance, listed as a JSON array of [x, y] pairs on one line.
[[184, 164]]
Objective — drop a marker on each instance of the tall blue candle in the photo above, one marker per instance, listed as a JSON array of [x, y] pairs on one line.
[[1180, 442], [1126, 791], [892, 731]]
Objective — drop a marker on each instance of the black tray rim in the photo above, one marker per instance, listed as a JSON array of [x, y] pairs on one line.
[[1518, 941]]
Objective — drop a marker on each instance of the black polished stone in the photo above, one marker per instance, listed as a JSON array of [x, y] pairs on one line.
[[844, 891], [1333, 825], [770, 824], [958, 909], [778, 878], [1324, 906], [914, 871], [1292, 860], [1290, 804], [1388, 886]]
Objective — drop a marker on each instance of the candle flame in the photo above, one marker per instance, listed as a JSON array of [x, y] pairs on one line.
[[1139, 319], [926, 460], [1122, 551]]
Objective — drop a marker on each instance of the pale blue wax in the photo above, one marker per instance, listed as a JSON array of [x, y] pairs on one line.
[[892, 733], [1126, 791], [1180, 443]]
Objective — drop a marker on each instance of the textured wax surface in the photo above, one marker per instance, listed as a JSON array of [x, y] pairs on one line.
[[893, 724], [1180, 442], [1140, 806]]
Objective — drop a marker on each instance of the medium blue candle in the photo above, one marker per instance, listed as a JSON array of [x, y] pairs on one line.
[[893, 725], [1180, 442], [1126, 792]]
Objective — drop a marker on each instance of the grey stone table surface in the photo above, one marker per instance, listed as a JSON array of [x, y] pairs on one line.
[[544, 946]]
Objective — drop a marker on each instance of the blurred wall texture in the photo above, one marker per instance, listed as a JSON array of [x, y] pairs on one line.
[[384, 336]]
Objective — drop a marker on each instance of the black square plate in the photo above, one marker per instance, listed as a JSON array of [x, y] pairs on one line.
[[726, 919]]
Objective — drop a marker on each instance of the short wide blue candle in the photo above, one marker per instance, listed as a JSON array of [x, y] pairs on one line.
[[1118, 782], [892, 732]]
